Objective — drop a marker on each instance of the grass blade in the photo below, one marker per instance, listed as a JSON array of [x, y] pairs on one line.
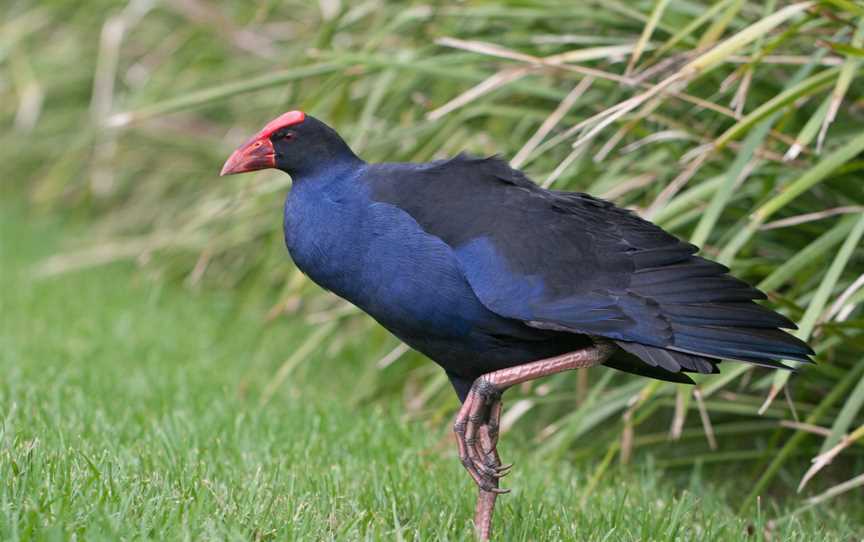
[[807, 87], [730, 46], [733, 177], [809, 131], [811, 254], [206, 96], [817, 304], [839, 489], [812, 177], [787, 450], [847, 73], [647, 30], [691, 27], [713, 33], [845, 417]]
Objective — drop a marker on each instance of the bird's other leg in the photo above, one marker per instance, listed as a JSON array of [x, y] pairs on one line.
[[486, 499], [477, 422], [486, 458]]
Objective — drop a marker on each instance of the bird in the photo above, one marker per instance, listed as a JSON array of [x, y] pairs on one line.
[[500, 281]]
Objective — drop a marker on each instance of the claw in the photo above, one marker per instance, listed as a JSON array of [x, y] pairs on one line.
[[502, 472], [481, 414], [486, 469], [498, 475], [497, 471], [489, 488], [476, 431]]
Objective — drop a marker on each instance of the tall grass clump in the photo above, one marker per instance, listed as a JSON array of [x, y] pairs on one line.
[[738, 125]]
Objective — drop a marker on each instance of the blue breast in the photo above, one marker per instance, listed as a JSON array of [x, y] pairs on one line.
[[376, 256]]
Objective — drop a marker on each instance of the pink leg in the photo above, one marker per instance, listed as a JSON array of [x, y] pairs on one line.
[[486, 499], [477, 422]]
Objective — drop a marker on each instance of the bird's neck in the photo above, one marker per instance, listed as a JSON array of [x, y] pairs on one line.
[[317, 175], [323, 217], [329, 158]]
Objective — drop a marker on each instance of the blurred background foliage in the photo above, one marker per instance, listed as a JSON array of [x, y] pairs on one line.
[[736, 124]]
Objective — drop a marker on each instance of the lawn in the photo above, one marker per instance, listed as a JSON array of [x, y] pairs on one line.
[[134, 409], [170, 374]]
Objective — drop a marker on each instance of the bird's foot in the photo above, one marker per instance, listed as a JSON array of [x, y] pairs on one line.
[[476, 431], [477, 422]]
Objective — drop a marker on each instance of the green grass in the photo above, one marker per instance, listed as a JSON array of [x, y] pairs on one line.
[[132, 409], [759, 161]]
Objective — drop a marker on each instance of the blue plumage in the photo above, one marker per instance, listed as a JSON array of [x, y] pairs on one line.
[[377, 256], [474, 265], [500, 281]]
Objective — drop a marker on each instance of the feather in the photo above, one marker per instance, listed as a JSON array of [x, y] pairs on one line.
[[728, 314], [570, 263]]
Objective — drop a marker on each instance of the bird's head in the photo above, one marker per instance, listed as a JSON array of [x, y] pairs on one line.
[[293, 142]]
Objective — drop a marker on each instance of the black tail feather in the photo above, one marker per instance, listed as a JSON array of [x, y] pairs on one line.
[[629, 363], [670, 360]]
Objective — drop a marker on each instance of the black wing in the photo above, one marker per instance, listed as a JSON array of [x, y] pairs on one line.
[[568, 261]]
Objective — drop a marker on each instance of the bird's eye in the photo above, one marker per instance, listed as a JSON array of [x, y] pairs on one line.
[[287, 136]]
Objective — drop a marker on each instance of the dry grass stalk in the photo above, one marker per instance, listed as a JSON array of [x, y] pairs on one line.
[[494, 82], [551, 122]]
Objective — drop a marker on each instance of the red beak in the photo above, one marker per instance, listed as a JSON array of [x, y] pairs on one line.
[[251, 156]]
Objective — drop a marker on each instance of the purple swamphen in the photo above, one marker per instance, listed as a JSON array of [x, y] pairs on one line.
[[500, 281]]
